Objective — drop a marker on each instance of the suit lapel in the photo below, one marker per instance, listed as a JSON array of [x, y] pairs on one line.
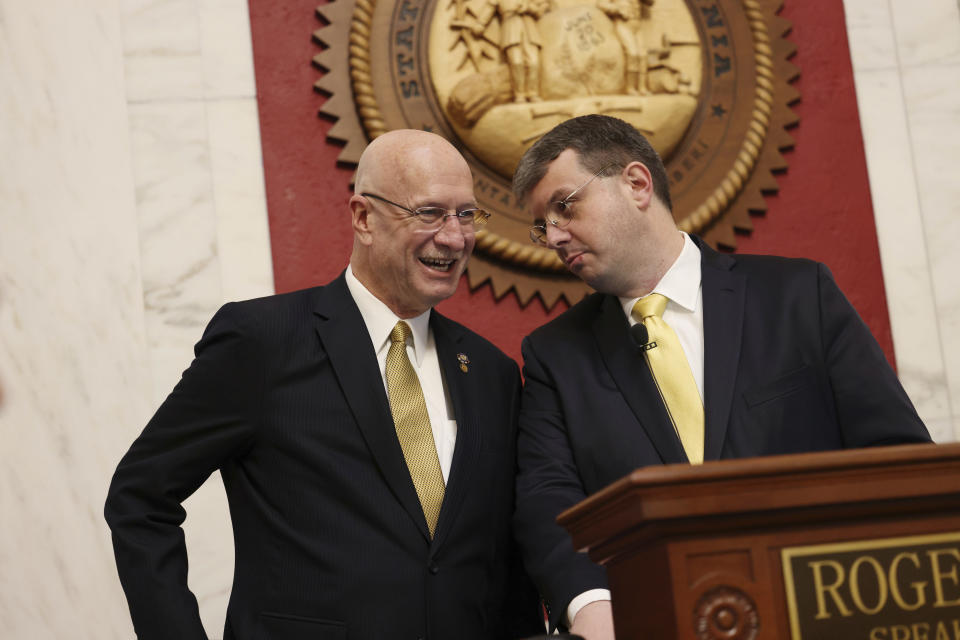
[[632, 375], [345, 339], [463, 388], [724, 292]]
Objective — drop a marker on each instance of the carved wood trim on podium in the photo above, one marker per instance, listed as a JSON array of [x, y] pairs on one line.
[[699, 552]]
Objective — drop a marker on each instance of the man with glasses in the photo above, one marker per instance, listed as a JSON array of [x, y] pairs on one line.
[[683, 354], [366, 443]]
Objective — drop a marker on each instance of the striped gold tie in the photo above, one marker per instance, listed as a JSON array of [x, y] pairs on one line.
[[413, 426], [673, 375]]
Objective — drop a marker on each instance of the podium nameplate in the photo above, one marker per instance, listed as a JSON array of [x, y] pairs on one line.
[[905, 588], [861, 544]]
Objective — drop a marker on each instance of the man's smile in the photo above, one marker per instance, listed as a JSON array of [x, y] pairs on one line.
[[438, 264]]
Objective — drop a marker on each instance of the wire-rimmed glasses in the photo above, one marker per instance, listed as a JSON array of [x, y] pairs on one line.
[[434, 216], [560, 213]]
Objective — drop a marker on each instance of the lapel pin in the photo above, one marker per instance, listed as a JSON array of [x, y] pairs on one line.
[[464, 361]]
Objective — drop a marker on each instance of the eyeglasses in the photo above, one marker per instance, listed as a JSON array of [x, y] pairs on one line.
[[560, 213], [434, 216]]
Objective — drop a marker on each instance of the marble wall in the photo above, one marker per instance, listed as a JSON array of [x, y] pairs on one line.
[[201, 213], [132, 206], [72, 340], [906, 62]]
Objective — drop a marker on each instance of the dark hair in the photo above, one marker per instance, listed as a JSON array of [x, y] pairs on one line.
[[599, 141]]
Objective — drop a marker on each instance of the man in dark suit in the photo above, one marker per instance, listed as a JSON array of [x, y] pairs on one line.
[[366, 443], [684, 354]]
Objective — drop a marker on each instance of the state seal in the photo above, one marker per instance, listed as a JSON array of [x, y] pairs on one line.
[[706, 81]]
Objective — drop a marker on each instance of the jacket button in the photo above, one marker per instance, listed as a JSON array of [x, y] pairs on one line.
[[434, 569]]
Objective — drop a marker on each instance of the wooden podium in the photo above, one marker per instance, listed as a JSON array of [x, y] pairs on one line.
[[844, 545]]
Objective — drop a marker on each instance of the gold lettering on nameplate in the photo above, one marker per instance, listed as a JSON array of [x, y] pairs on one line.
[[890, 589]]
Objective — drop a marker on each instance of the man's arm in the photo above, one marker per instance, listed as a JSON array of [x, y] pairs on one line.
[[523, 616], [547, 483], [205, 420], [872, 407]]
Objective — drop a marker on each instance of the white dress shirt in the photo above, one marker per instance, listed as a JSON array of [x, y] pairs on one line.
[[684, 313], [422, 351]]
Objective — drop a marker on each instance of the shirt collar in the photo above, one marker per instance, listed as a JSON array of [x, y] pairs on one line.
[[380, 320], [681, 282]]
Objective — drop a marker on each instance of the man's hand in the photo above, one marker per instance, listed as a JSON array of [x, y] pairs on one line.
[[594, 621]]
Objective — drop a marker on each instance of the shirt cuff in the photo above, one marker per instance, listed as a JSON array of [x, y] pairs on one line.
[[582, 600]]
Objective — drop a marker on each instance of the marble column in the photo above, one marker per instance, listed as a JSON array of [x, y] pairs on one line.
[[201, 212], [73, 385], [131, 207], [906, 61]]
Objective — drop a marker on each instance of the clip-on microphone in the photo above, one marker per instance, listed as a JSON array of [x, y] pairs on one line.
[[641, 337]]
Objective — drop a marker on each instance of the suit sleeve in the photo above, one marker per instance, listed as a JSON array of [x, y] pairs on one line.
[[208, 418], [547, 484], [872, 407], [523, 615]]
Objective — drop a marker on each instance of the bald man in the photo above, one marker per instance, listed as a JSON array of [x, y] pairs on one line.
[[366, 442]]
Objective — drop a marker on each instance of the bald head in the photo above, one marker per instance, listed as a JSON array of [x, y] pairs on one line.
[[403, 158], [408, 262]]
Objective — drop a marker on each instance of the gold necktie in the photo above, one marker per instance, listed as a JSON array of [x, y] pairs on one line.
[[413, 426], [672, 373]]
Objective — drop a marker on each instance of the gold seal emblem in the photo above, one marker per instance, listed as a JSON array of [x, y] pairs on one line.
[[707, 81]]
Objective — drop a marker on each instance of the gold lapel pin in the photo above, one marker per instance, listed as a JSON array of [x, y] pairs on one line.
[[464, 361]]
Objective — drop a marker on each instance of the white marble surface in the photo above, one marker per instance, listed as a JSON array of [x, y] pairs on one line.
[[177, 223], [904, 56], [246, 269], [926, 32], [870, 34], [187, 49], [227, 53], [900, 233], [131, 207], [202, 212], [162, 50], [73, 379], [932, 97]]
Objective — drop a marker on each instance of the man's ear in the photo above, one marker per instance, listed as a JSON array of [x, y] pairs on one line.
[[360, 218], [640, 183]]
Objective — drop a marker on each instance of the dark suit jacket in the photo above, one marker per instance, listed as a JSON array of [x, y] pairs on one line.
[[285, 399], [788, 367]]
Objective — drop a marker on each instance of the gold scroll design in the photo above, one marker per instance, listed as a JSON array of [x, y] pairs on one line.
[[542, 259]]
